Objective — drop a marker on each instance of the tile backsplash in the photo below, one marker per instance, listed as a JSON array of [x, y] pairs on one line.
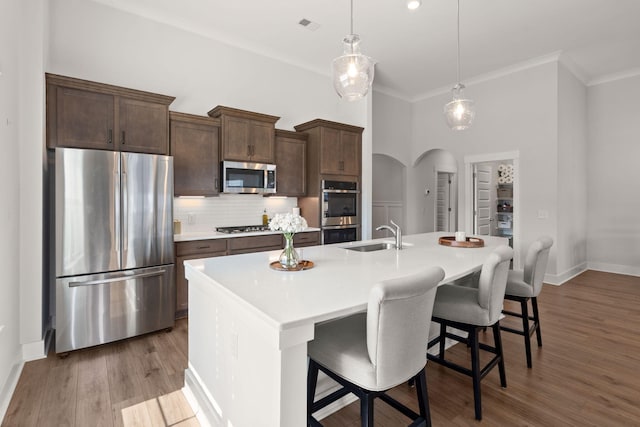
[[204, 214]]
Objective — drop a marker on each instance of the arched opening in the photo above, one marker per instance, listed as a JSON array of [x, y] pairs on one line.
[[433, 194]]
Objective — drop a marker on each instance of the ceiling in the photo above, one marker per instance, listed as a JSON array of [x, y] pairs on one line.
[[415, 51]]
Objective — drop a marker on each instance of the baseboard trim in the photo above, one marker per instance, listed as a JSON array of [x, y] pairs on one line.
[[34, 350], [200, 400], [627, 270], [559, 279], [9, 387]]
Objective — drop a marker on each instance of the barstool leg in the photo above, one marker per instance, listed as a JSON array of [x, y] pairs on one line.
[[443, 337], [312, 380], [475, 370], [524, 304], [536, 317], [366, 410], [497, 338], [423, 397]]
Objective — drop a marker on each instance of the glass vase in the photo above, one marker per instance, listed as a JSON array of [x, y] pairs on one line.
[[289, 257]]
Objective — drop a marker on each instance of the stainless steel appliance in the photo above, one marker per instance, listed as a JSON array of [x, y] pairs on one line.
[[340, 211], [242, 229], [114, 246], [246, 177]]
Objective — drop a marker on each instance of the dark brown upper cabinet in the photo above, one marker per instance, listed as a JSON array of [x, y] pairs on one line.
[[195, 142], [84, 114], [333, 148], [245, 136], [291, 160]]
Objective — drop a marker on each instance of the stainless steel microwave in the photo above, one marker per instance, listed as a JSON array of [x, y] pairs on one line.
[[247, 177]]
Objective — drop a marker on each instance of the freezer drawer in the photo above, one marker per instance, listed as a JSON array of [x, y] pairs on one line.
[[100, 308]]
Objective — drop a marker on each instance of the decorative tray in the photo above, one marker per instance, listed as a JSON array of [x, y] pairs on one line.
[[470, 242], [302, 265]]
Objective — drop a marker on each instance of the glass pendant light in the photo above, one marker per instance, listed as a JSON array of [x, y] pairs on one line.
[[353, 71], [460, 112]]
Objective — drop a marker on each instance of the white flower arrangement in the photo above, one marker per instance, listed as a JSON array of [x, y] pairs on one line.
[[288, 223]]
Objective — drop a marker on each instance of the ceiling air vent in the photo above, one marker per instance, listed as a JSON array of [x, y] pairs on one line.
[[309, 25]]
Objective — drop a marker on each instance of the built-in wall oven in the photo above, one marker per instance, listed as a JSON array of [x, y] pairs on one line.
[[340, 211]]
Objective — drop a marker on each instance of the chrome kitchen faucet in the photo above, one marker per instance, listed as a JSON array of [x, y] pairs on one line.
[[397, 233]]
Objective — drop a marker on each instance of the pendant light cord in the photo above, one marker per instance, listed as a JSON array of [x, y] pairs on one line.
[[458, 26], [352, 16]]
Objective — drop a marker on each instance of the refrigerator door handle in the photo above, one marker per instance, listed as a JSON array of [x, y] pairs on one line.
[[124, 195], [118, 279]]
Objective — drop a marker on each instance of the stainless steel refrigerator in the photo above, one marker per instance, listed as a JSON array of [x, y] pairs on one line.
[[113, 246]]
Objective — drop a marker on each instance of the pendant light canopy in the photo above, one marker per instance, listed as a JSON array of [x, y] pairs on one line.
[[353, 71], [460, 112]]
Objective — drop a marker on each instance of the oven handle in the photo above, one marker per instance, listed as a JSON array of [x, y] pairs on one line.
[[341, 191], [338, 227]]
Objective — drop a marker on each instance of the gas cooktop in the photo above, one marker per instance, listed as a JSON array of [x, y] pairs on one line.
[[242, 229]]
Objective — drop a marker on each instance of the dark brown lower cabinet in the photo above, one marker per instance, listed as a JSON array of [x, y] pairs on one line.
[[220, 247]]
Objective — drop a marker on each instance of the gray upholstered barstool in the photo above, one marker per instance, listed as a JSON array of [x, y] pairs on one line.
[[369, 353], [469, 309], [525, 285]]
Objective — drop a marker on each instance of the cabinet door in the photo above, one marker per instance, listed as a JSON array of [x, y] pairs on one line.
[[262, 136], [330, 151], [82, 119], [309, 238], [290, 160], [235, 141], [182, 284], [143, 126], [195, 159], [351, 147]]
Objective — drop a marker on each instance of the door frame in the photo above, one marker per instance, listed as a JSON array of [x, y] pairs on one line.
[[469, 161], [453, 197]]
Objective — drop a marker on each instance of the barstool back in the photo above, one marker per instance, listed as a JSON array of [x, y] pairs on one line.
[[398, 317], [493, 282], [535, 263]]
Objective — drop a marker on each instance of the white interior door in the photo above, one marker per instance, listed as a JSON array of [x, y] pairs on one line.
[[444, 211], [482, 200]]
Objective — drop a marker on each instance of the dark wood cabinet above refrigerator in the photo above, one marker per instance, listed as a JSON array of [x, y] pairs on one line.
[[85, 114]]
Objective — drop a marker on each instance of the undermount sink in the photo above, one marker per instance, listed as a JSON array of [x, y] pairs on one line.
[[371, 247]]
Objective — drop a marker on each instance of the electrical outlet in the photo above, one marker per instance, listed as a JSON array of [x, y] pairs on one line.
[[191, 219], [543, 214]]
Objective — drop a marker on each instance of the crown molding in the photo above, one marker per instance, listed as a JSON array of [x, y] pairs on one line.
[[614, 76], [501, 72], [573, 69]]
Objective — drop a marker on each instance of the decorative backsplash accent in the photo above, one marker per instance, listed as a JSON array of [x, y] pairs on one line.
[[227, 210]]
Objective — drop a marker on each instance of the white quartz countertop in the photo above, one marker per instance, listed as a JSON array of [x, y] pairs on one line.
[[205, 235], [340, 281]]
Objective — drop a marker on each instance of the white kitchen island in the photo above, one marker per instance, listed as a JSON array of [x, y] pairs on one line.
[[249, 324]]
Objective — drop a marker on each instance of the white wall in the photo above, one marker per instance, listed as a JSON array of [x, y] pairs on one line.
[[392, 127], [613, 242], [571, 242], [10, 353], [516, 112], [21, 124], [95, 42]]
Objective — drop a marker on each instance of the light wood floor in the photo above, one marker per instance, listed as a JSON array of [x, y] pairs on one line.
[[586, 374]]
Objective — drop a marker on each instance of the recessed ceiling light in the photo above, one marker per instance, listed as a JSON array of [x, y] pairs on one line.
[[413, 4]]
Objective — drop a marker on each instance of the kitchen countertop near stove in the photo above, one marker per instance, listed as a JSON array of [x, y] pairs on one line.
[[206, 235]]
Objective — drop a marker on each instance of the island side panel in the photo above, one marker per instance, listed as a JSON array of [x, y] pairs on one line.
[[247, 370]]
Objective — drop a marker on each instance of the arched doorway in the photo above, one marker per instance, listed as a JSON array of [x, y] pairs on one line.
[[434, 192]]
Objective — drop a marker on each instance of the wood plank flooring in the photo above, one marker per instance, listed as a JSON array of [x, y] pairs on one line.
[[586, 374]]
